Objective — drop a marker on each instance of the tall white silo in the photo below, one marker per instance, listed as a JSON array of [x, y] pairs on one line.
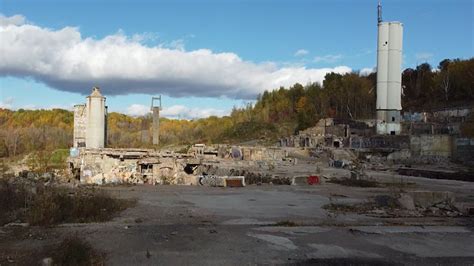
[[382, 65], [395, 67], [95, 131], [389, 77]]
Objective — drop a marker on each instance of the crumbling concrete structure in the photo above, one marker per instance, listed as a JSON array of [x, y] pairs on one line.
[[137, 166], [90, 122], [155, 109]]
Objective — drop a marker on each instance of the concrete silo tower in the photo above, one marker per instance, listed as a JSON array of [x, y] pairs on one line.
[[389, 77], [96, 120], [156, 108]]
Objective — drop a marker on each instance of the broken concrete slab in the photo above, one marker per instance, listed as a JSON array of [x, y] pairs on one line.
[[246, 221], [425, 199], [212, 181], [277, 242], [410, 229], [293, 230], [333, 251]]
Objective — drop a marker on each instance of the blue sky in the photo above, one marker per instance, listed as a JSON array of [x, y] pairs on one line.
[[207, 56]]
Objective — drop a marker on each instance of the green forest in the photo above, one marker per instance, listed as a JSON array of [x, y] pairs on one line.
[[276, 113]]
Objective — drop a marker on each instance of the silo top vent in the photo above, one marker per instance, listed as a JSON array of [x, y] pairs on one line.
[[96, 92]]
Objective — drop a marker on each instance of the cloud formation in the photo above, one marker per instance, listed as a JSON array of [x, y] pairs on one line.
[[425, 57], [301, 52], [119, 64], [7, 103], [138, 110], [367, 71], [330, 58], [177, 111]]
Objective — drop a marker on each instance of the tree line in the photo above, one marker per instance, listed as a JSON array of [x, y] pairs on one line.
[[275, 113]]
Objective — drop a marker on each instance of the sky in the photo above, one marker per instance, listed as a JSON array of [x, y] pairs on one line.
[[205, 57]]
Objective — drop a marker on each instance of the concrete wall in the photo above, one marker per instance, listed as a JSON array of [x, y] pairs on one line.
[[156, 125], [80, 122], [432, 145], [380, 142], [464, 150], [101, 167], [261, 154]]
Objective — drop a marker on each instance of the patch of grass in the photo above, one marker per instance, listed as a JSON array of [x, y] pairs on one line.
[[53, 206], [253, 178], [352, 182], [58, 158], [386, 201], [281, 181], [399, 185], [75, 251], [184, 149], [340, 207], [12, 199], [46, 206], [4, 168], [286, 223], [338, 195]]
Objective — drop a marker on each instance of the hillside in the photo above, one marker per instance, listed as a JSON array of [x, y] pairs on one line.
[[276, 113]]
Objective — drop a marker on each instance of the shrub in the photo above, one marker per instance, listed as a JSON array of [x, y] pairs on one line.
[[53, 206], [352, 182], [75, 251]]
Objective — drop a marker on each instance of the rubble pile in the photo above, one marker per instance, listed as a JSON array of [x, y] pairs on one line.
[[412, 204], [418, 204]]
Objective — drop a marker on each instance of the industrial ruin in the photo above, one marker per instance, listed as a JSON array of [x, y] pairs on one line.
[[394, 138], [394, 189]]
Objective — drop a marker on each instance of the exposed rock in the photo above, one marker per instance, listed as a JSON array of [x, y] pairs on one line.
[[406, 201], [47, 262]]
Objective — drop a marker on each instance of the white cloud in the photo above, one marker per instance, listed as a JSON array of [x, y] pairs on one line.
[[145, 37], [367, 71], [30, 107], [183, 112], [119, 64], [423, 56], [328, 58], [177, 45], [301, 52], [13, 20], [7, 103], [69, 107], [138, 110], [177, 111]]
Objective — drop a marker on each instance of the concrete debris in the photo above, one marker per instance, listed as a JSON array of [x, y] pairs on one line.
[[212, 181], [425, 199], [406, 201], [307, 180], [428, 203], [17, 225], [338, 143], [221, 181], [235, 181], [402, 155], [47, 261]]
